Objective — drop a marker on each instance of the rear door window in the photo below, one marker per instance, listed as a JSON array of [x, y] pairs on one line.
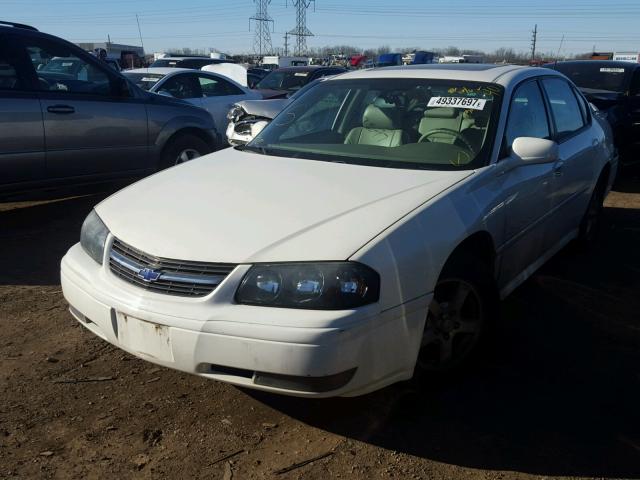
[[184, 85], [217, 87], [564, 107]]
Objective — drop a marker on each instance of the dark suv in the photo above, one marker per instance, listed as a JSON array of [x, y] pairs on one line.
[[613, 87], [66, 117]]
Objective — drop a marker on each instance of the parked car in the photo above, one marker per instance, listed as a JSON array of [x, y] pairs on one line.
[[84, 122], [254, 75], [389, 60], [215, 93], [285, 82], [249, 117], [614, 88], [186, 62], [353, 242]]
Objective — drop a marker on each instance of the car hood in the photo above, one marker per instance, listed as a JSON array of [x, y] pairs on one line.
[[264, 108], [269, 93], [242, 207]]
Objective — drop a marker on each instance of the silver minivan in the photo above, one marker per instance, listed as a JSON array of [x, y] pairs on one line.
[[66, 117]]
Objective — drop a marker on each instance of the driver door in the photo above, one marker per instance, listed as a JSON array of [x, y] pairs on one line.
[[90, 128], [526, 189]]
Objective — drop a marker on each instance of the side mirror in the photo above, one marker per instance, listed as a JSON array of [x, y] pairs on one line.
[[165, 93], [530, 150]]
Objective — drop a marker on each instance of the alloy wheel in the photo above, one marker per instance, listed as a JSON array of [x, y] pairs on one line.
[[186, 155], [453, 326]]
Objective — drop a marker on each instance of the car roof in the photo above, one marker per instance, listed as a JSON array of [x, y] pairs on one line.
[[475, 72], [305, 68], [186, 58], [160, 70], [604, 63]]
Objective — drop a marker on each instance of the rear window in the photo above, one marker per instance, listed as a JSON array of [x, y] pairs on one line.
[[165, 62], [285, 80], [144, 80], [595, 75]]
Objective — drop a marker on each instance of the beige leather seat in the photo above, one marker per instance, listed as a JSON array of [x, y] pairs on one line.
[[379, 127], [443, 117]]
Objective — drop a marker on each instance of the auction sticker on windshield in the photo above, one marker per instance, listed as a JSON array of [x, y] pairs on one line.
[[458, 102], [612, 70]]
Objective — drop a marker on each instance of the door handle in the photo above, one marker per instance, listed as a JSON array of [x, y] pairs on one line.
[[61, 109]]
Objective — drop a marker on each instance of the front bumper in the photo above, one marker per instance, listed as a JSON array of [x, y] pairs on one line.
[[295, 352]]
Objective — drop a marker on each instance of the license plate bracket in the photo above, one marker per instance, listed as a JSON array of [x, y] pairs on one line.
[[147, 339]]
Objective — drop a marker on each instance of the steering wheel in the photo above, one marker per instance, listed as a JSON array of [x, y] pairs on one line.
[[447, 131]]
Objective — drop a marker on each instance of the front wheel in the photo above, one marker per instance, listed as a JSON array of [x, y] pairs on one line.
[[183, 149], [464, 304]]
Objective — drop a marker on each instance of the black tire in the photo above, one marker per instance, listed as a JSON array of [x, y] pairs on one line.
[[590, 223], [458, 329], [174, 151]]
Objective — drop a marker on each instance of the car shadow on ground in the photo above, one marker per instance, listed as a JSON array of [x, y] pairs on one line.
[[36, 233], [559, 391]]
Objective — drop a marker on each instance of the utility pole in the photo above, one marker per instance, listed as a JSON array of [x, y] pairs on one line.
[[301, 32], [140, 32], [534, 39], [559, 48], [262, 38], [286, 44]]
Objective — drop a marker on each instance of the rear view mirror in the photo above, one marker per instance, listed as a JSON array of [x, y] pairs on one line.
[[532, 150]]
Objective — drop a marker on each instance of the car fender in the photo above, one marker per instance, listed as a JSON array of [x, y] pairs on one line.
[[205, 129], [410, 254]]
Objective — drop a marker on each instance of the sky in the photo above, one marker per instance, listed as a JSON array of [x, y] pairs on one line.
[[426, 24]]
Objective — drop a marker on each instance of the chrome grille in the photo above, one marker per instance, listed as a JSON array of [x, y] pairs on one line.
[[162, 275]]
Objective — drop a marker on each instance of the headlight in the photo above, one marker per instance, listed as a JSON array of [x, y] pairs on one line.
[[235, 113], [321, 286], [93, 236]]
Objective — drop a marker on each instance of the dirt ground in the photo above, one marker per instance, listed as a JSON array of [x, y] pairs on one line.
[[558, 396]]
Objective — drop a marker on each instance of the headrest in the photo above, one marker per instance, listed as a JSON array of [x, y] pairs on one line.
[[442, 112], [375, 117]]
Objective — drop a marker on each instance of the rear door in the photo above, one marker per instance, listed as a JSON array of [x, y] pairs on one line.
[[22, 152], [634, 98], [574, 170], [91, 127]]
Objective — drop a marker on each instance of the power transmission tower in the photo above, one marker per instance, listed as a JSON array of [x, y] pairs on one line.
[[534, 39], [262, 37], [301, 32]]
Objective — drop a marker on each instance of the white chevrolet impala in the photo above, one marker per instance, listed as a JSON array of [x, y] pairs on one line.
[[368, 231]]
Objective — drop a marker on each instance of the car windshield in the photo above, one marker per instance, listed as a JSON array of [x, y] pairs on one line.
[[144, 80], [391, 122], [595, 75], [289, 80]]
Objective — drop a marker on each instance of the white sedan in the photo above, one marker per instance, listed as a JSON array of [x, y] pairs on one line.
[[215, 93], [369, 230]]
